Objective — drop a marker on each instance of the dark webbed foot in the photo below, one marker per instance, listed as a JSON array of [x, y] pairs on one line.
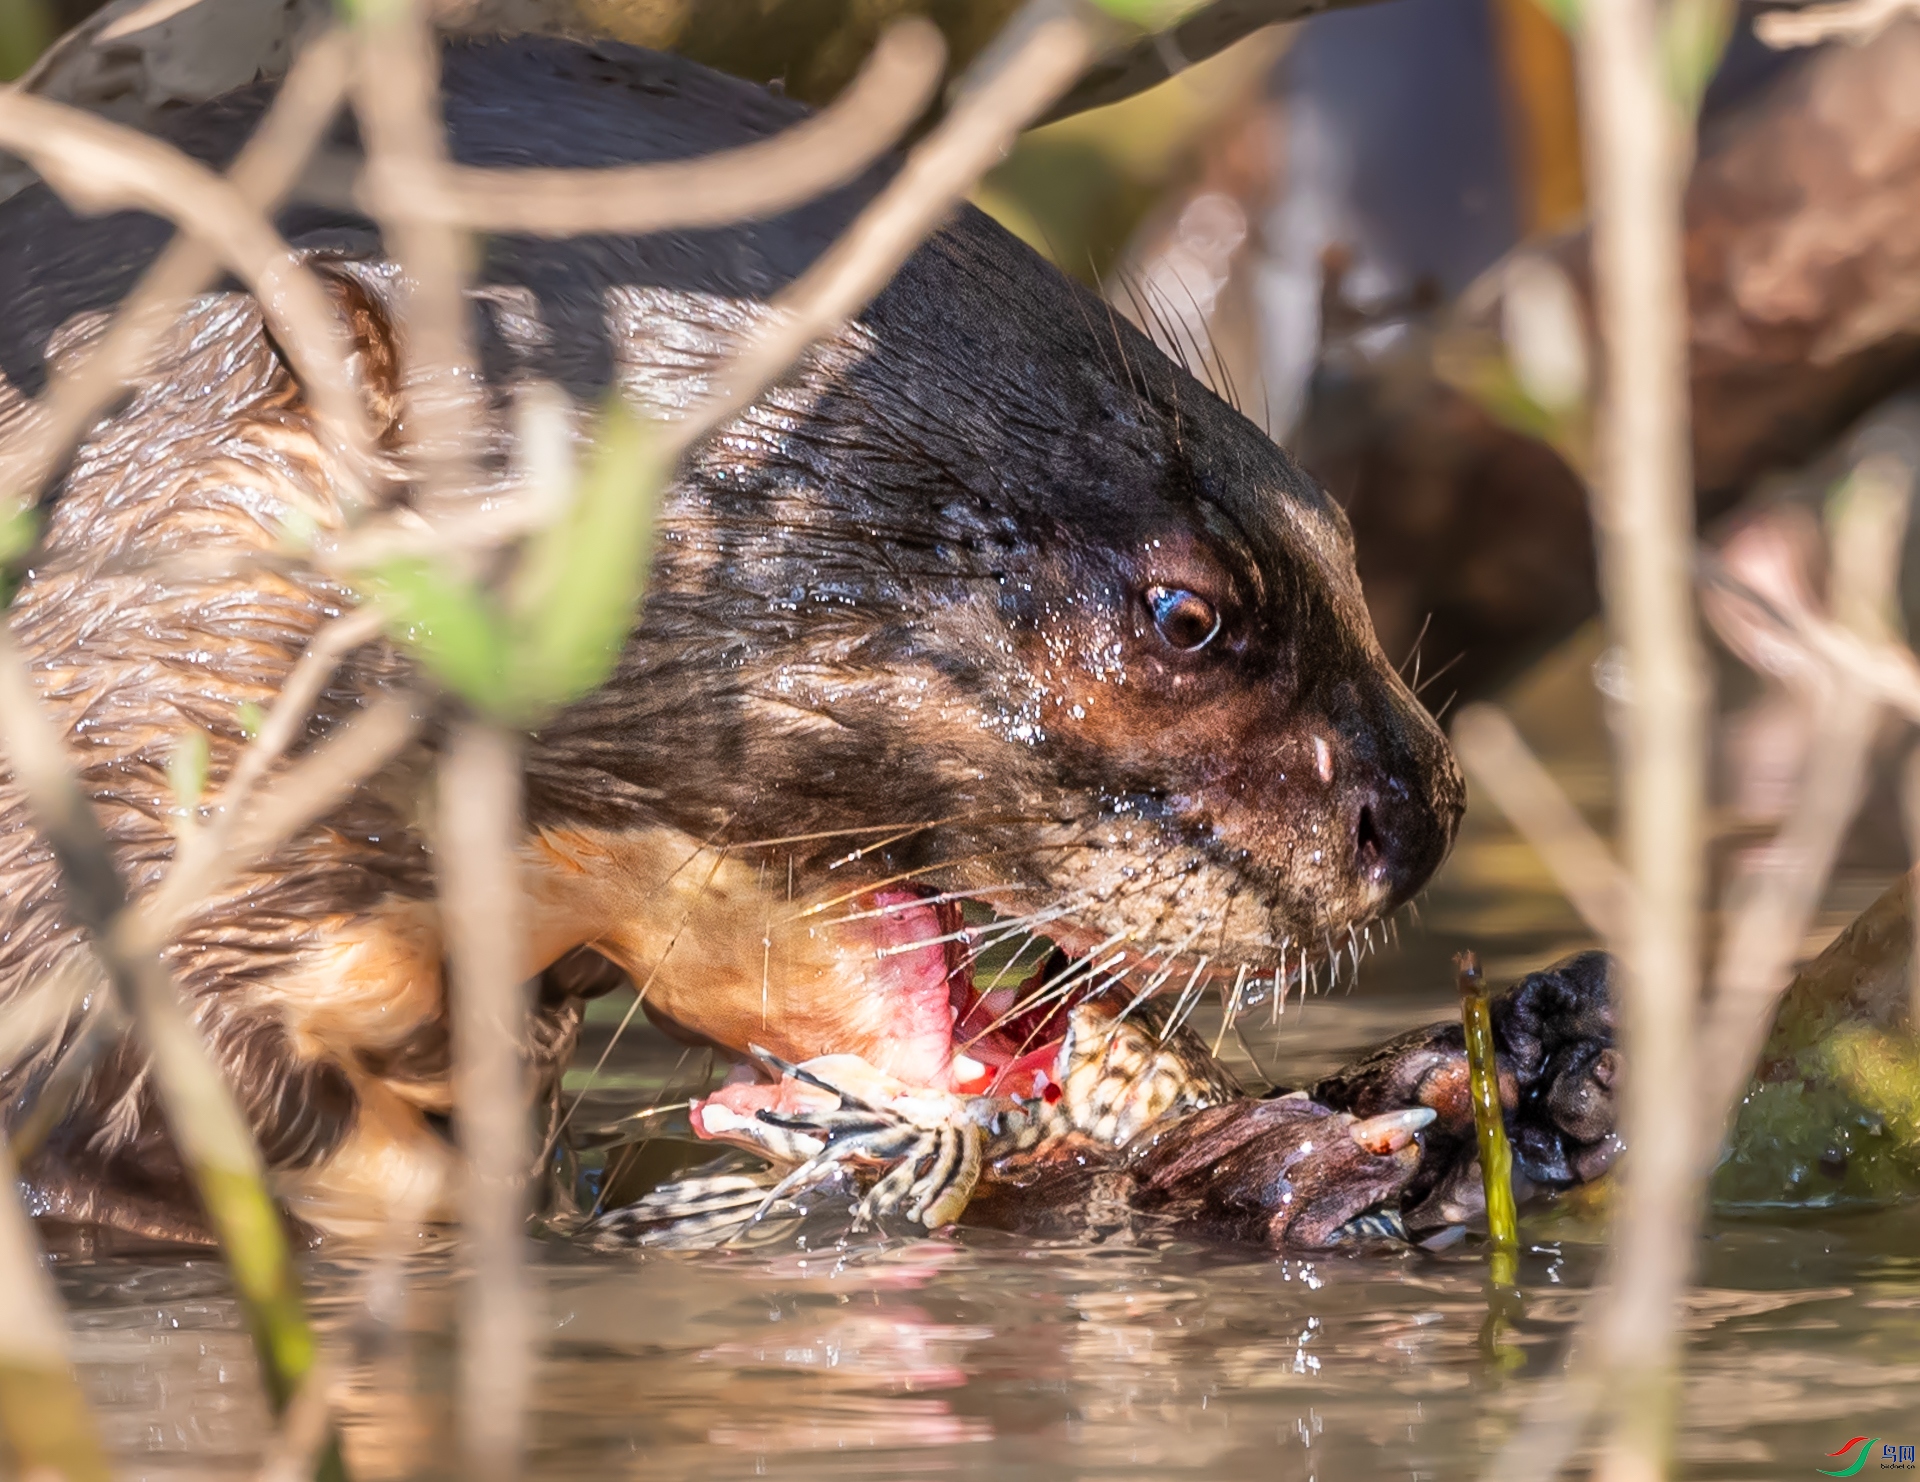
[[1558, 1073]]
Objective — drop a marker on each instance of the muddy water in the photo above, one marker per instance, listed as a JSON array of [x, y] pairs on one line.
[[981, 1356]]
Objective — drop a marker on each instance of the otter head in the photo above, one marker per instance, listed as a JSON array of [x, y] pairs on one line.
[[995, 602]]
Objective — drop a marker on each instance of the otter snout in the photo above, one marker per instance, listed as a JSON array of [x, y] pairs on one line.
[[1401, 794]]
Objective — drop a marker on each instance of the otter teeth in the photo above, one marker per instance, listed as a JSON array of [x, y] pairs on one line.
[[966, 1068], [1391, 1131]]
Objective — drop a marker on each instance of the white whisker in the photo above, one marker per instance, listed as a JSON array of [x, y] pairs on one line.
[[896, 907], [1159, 979], [1232, 1012]]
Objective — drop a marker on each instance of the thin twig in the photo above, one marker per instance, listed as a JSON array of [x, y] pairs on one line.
[[305, 1428], [756, 181], [397, 95], [290, 713], [98, 166], [1501, 762], [1489, 1122], [1044, 49], [1635, 137], [1772, 907], [303, 795], [73, 989], [1888, 671], [207, 1126], [83, 386], [201, 849], [43, 1414], [42, 1011], [1854, 21], [479, 831]]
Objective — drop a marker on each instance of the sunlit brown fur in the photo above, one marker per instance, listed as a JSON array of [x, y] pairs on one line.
[[895, 636]]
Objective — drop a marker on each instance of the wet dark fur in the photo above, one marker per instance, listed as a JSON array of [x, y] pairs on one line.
[[906, 587]]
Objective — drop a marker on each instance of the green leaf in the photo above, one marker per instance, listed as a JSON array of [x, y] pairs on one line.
[[1692, 41], [372, 12], [449, 625], [18, 532], [1151, 15], [1564, 13], [584, 575], [252, 719], [187, 769]]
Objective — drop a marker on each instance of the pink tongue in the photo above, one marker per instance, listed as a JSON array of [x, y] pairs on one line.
[[916, 966], [919, 977]]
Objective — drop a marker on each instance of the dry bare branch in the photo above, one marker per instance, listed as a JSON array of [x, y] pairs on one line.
[[305, 1428], [264, 172], [143, 17], [304, 794], [1888, 671], [397, 96], [66, 1004], [1200, 34], [1042, 53], [1500, 761], [755, 181], [42, 1412], [200, 848], [1643, 512], [479, 832], [1852, 21], [1771, 908], [212, 1136], [298, 696]]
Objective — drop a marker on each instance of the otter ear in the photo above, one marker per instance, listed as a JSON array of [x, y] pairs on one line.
[[376, 361]]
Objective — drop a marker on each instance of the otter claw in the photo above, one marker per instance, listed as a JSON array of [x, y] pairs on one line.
[[1391, 1131], [799, 1073]]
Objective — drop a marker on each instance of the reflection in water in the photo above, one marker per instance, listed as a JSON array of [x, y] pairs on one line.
[[985, 1356]]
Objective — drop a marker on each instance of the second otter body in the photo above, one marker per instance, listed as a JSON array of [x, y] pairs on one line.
[[988, 600]]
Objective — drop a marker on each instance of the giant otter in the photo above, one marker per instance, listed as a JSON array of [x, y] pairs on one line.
[[989, 600]]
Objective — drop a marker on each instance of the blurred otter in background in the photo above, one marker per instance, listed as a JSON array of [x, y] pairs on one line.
[[988, 600]]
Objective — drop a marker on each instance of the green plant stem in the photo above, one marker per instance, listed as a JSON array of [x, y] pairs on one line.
[[479, 827], [1489, 1123], [43, 1416], [207, 1126], [25, 30]]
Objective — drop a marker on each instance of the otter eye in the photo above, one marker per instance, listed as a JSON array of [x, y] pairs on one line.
[[1185, 619]]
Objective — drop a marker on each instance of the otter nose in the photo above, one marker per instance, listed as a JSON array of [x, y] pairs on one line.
[[1401, 792], [1399, 838]]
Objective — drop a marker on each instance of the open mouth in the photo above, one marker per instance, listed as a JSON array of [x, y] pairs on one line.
[[938, 1007], [937, 993]]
